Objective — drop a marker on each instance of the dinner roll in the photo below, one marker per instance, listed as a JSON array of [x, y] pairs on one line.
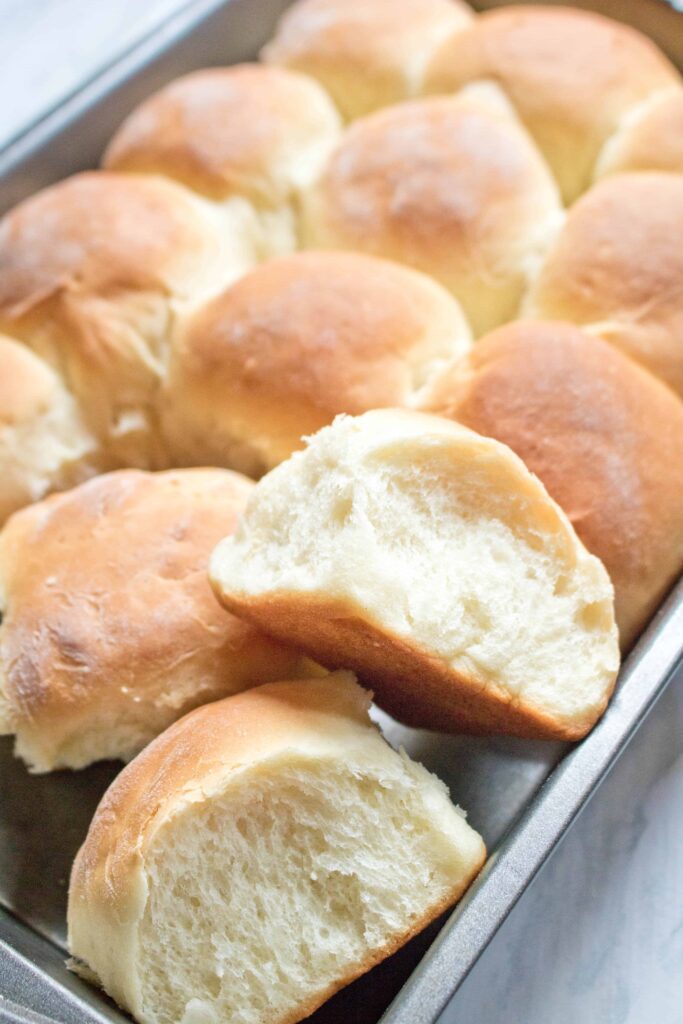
[[617, 269], [243, 133], [92, 273], [450, 186], [110, 630], [603, 435], [571, 75], [297, 341], [367, 53], [44, 444], [650, 138], [431, 561], [259, 855]]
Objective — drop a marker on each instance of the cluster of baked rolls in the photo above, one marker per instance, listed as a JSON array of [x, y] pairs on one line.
[[462, 232]]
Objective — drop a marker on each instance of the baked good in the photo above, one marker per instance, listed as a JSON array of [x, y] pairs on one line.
[[429, 560], [92, 273], [616, 269], [366, 53], [571, 75], [110, 630], [451, 186], [259, 855], [602, 434], [295, 342], [247, 136], [44, 444], [650, 138]]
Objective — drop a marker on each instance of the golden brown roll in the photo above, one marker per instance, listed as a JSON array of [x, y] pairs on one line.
[[110, 630], [602, 434], [295, 342], [451, 186], [92, 273], [571, 75], [44, 444], [259, 855], [649, 139], [616, 268], [430, 561], [249, 135], [367, 53]]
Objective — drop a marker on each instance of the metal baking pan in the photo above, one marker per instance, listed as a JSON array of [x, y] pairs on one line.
[[522, 796]]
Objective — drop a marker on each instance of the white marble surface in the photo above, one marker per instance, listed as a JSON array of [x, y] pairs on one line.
[[599, 936]]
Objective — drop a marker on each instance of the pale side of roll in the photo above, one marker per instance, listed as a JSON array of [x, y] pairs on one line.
[[248, 138], [452, 186], [258, 856], [430, 561], [44, 443], [603, 435], [298, 340], [366, 53], [110, 631], [93, 272], [650, 137], [571, 75]]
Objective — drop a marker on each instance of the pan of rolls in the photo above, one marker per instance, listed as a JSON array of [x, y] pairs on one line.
[[341, 493]]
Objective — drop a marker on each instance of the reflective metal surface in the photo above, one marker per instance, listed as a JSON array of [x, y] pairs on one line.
[[522, 796]]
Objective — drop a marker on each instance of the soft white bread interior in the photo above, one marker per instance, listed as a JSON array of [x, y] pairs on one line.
[[110, 631], [296, 341], [603, 435], [571, 75], [93, 272], [259, 855], [452, 186], [367, 53], [248, 137], [431, 561], [44, 443], [616, 269], [650, 137]]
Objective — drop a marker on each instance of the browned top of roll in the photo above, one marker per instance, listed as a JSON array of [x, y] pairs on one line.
[[570, 74], [245, 130], [452, 186], [367, 53], [603, 435], [617, 268]]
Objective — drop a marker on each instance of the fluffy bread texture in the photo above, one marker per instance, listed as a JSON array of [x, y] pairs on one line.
[[451, 186], [110, 631], [44, 444], [247, 136], [93, 272], [571, 76], [603, 435], [259, 855], [295, 342], [366, 53], [650, 138], [616, 269], [432, 562]]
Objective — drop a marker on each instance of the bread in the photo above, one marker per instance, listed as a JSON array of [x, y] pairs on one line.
[[44, 445], [451, 186], [259, 855], [247, 136], [110, 630], [92, 273], [430, 561], [571, 75], [295, 342], [617, 268], [366, 53], [650, 138], [602, 434]]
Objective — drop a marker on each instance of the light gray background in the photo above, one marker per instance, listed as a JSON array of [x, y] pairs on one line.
[[599, 937]]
